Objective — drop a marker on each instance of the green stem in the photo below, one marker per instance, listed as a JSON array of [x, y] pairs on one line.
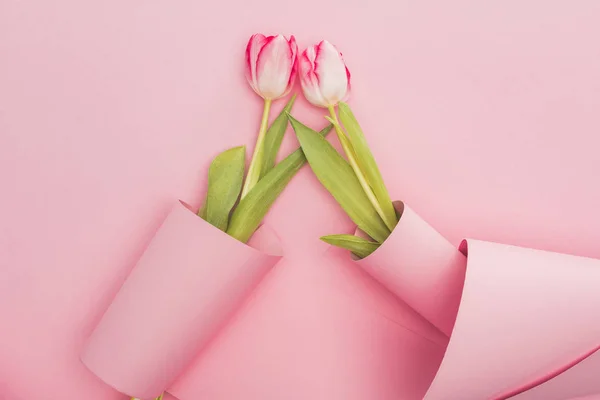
[[347, 146], [257, 162]]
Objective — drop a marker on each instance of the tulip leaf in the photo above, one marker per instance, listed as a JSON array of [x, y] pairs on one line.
[[274, 137], [254, 206], [367, 163], [202, 211], [359, 246], [225, 177], [336, 175]]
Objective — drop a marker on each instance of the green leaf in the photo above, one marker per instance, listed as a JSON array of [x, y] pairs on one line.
[[274, 137], [339, 179], [359, 246], [157, 398], [225, 177], [367, 163], [252, 209], [202, 210]]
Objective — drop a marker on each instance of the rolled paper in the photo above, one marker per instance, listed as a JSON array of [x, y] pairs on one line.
[[521, 321], [421, 267], [526, 317], [187, 284]]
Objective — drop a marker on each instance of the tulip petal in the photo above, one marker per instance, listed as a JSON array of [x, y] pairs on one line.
[[255, 44], [332, 73], [348, 89], [294, 48], [309, 79], [274, 67]]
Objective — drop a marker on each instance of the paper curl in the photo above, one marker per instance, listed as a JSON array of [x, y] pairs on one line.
[[188, 283], [517, 318]]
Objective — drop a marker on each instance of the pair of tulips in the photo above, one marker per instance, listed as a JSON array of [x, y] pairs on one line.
[[237, 204], [272, 64]]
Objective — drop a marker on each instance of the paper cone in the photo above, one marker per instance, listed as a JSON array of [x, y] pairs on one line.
[[526, 323], [188, 283], [421, 267], [526, 316]]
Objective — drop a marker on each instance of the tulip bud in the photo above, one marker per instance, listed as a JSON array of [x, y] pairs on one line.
[[324, 76], [271, 64]]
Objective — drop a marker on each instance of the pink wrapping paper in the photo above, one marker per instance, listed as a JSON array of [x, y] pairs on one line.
[[525, 317], [429, 273], [188, 283]]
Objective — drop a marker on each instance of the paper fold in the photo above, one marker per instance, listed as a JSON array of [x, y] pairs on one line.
[[420, 266], [523, 318], [188, 283]]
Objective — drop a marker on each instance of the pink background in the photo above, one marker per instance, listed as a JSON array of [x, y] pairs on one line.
[[482, 115]]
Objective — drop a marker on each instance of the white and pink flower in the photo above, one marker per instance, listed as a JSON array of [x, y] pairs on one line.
[[271, 64], [324, 76]]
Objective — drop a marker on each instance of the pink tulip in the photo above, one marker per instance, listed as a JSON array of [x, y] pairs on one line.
[[324, 76], [271, 64]]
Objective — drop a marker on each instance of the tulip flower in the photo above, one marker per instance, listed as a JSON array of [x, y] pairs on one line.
[[324, 77], [271, 63]]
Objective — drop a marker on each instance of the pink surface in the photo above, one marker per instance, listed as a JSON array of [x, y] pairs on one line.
[[190, 280], [309, 332], [482, 116]]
